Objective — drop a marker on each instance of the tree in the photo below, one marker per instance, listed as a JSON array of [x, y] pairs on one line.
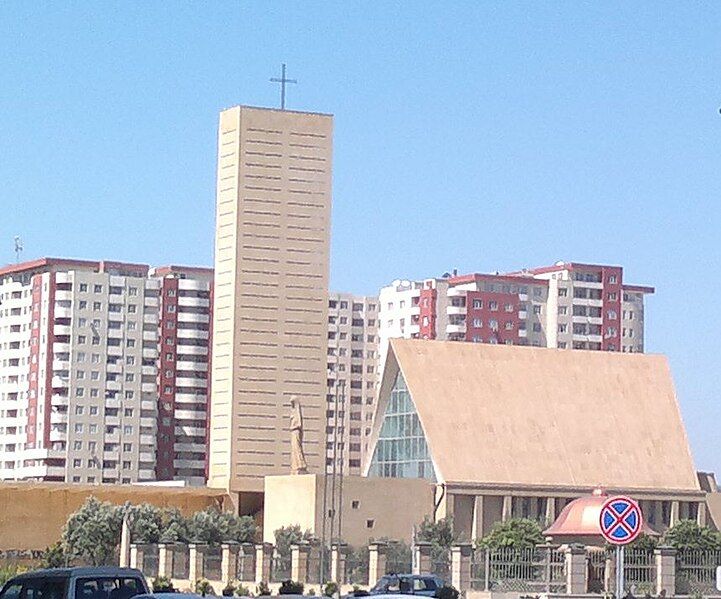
[[439, 533], [93, 532], [146, 522], [213, 527], [285, 536], [518, 533], [54, 556], [687, 535], [175, 527]]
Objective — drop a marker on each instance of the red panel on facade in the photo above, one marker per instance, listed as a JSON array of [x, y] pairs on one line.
[[483, 308], [427, 302], [37, 292], [50, 335], [168, 342], [612, 278]]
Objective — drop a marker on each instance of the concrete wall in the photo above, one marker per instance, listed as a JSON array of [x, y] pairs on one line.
[[32, 515], [372, 507]]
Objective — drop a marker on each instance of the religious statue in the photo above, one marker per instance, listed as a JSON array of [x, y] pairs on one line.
[[298, 465]]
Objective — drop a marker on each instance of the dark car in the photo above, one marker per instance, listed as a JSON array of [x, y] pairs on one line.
[[407, 584], [76, 583]]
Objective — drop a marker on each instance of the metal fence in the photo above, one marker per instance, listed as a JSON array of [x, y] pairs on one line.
[[356, 567], [539, 569], [280, 569], [696, 571], [441, 564], [639, 572], [150, 561], [212, 561], [181, 562], [245, 566]]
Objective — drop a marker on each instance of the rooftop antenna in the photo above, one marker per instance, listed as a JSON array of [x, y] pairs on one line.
[[282, 82], [18, 247]]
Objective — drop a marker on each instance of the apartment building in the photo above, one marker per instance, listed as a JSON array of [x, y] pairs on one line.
[[352, 379], [184, 372], [78, 397], [80, 347], [565, 306]]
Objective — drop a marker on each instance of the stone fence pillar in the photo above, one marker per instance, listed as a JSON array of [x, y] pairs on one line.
[[263, 561], [377, 555], [299, 558], [422, 558], [338, 554], [665, 571], [229, 561], [576, 570], [165, 559], [461, 559], [196, 553], [246, 563], [137, 556]]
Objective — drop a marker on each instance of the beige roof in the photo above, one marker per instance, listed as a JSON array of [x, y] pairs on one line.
[[529, 416]]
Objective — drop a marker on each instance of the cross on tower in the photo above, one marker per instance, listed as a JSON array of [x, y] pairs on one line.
[[282, 82]]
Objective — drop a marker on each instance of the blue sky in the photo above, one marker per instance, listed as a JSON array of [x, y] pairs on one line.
[[480, 136]]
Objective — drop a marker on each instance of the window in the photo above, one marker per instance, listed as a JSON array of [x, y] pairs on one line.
[[477, 304], [79, 409], [509, 325], [93, 393], [370, 523], [612, 279], [82, 305], [477, 322], [612, 297], [82, 338], [79, 392], [130, 342], [97, 306], [93, 410], [536, 327], [562, 328], [78, 427], [97, 288], [77, 463], [132, 291], [612, 315], [82, 322], [562, 310], [77, 445], [509, 307], [132, 308], [493, 306], [562, 292], [493, 324], [537, 309]]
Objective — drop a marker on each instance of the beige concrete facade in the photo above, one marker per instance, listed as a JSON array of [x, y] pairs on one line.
[[270, 296], [370, 506], [32, 515]]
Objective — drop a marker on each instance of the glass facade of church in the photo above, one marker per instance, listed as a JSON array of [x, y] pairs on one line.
[[401, 450]]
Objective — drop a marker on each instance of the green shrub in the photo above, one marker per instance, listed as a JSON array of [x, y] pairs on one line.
[[330, 589], [290, 587], [262, 590], [203, 587], [162, 584], [242, 591], [447, 592], [228, 590]]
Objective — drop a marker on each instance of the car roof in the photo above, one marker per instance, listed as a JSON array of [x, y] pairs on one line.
[[80, 571]]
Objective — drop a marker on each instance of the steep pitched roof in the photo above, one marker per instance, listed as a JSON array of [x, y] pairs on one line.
[[529, 416]]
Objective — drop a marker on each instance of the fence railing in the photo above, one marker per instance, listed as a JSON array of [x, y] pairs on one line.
[[212, 560], [181, 562], [356, 567], [696, 571], [150, 560], [539, 569], [280, 569]]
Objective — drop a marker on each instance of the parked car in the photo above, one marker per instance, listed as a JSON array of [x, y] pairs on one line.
[[169, 595], [76, 583], [407, 584]]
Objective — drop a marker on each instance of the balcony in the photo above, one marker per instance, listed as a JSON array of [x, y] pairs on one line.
[[147, 404], [62, 329], [59, 400], [522, 333], [456, 328], [195, 302], [456, 310], [190, 431], [147, 439], [149, 352], [58, 417], [116, 368], [61, 312], [183, 463], [58, 435], [191, 447], [185, 366], [113, 385], [150, 335], [148, 387], [191, 415], [151, 302], [61, 365], [149, 371], [192, 334], [191, 382], [61, 347], [192, 317], [59, 382]]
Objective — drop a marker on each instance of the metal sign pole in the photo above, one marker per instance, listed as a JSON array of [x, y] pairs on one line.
[[619, 572]]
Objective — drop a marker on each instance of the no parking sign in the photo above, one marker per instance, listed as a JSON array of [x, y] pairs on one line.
[[621, 520]]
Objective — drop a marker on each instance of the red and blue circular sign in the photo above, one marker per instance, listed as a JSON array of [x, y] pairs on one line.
[[621, 520]]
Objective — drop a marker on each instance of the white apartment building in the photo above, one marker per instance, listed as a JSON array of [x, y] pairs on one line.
[[183, 377], [352, 379], [565, 306], [80, 347], [78, 392]]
